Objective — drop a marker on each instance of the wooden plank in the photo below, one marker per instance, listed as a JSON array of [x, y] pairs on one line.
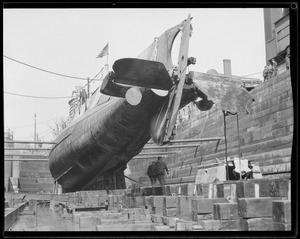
[[156, 201], [258, 224], [231, 224], [282, 226], [170, 212], [210, 225], [226, 211], [282, 211], [256, 207], [205, 205], [184, 207], [170, 202]]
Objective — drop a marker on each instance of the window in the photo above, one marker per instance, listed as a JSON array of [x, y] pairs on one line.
[[283, 33]]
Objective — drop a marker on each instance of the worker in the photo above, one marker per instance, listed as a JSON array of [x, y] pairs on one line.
[[265, 73], [274, 68], [287, 62], [106, 204], [161, 167], [151, 171]]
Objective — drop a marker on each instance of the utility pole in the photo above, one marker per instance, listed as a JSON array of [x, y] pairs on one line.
[[34, 129], [88, 87]]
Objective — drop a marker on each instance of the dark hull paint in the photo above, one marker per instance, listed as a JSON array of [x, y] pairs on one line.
[[103, 139]]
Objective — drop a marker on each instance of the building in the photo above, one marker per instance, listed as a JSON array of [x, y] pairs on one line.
[[277, 35], [24, 174]]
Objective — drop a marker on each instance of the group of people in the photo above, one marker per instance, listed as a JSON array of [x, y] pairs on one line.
[[270, 70], [156, 171]]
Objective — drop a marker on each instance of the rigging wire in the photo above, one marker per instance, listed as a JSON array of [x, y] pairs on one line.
[[25, 126], [51, 72], [40, 97]]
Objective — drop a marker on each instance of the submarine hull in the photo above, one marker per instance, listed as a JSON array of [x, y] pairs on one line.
[[102, 140]]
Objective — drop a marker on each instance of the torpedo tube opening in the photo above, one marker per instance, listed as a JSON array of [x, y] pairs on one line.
[[133, 96]]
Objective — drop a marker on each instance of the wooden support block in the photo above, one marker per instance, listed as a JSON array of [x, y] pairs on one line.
[[157, 191], [202, 190], [231, 224], [156, 218], [278, 226], [267, 188], [184, 207], [183, 225], [147, 191], [139, 201], [169, 202], [146, 211], [258, 224], [147, 200], [205, 216], [168, 191], [255, 207], [32, 205], [210, 190], [256, 190], [210, 225], [205, 205], [184, 189], [220, 190], [191, 189], [170, 221], [159, 210], [156, 201], [170, 212], [282, 211], [87, 223], [229, 190], [226, 189], [215, 191], [225, 211], [162, 228], [249, 189], [284, 187], [240, 189]]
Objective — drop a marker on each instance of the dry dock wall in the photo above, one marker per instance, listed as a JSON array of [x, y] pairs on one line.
[[265, 136]]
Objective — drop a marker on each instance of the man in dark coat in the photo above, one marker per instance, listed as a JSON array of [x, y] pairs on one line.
[[151, 171], [161, 167]]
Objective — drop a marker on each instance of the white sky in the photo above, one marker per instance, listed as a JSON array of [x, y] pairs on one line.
[[67, 41]]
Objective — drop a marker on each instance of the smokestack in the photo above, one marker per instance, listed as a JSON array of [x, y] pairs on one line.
[[227, 67]]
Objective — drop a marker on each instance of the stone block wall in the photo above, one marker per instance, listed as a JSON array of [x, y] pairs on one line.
[[265, 136]]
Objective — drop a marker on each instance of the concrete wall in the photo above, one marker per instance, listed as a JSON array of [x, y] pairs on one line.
[[266, 136]]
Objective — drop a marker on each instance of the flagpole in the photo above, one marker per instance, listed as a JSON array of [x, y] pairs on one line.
[[107, 57], [107, 61]]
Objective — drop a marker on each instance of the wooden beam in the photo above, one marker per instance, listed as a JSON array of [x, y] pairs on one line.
[[22, 159], [26, 149], [190, 140], [25, 155], [172, 146], [148, 157], [163, 153], [29, 142]]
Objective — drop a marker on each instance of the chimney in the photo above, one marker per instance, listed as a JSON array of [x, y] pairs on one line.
[[227, 67]]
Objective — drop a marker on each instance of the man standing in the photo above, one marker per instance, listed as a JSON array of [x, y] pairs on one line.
[[274, 68], [161, 167], [151, 171]]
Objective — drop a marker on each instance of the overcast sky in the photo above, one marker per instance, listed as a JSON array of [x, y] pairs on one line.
[[67, 41]]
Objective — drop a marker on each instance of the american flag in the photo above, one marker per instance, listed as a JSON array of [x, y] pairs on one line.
[[104, 51]]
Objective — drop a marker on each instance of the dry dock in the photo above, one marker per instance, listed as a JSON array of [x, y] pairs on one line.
[[245, 205]]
